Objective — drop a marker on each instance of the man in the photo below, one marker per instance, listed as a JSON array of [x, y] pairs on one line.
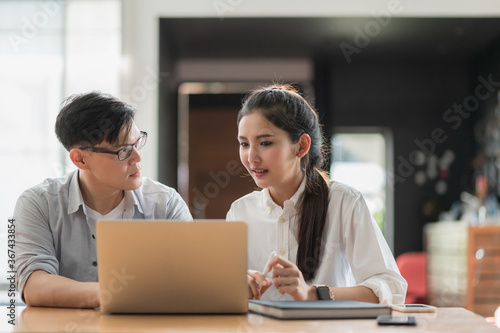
[[56, 260]]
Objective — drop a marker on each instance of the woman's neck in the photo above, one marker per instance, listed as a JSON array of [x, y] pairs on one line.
[[285, 191]]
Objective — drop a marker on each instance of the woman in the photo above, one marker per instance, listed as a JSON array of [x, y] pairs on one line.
[[321, 230]]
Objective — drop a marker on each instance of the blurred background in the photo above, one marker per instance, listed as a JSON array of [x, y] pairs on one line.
[[407, 92]]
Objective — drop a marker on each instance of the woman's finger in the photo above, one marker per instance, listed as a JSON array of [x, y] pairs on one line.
[[285, 281], [279, 272], [279, 261], [261, 279], [253, 288]]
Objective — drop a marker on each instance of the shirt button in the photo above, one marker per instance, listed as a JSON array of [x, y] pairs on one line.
[[282, 220], [282, 252]]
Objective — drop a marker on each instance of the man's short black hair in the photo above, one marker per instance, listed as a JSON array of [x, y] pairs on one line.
[[91, 118]]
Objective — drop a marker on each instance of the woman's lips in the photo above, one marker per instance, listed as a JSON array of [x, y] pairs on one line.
[[259, 172]]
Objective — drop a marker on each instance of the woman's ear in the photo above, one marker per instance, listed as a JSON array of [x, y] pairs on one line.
[[78, 158], [303, 145]]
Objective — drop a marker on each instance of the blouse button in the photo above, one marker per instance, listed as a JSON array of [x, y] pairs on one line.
[[282, 252], [282, 220]]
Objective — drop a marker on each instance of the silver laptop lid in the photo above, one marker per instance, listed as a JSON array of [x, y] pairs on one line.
[[172, 266]]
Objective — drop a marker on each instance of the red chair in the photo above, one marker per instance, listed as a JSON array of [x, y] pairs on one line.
[[413, 267]]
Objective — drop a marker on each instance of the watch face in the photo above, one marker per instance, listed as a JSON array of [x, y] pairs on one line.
[[323, 293]]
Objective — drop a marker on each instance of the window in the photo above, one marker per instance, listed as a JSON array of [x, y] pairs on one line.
[[51, 49], [360, 159]]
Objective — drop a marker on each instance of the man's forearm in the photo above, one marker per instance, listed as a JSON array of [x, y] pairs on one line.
[[44, 289]]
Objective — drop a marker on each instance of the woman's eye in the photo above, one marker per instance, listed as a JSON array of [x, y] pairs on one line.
[[266, 143], [243, 144]]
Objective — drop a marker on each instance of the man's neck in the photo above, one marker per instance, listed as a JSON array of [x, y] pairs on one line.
[[100, 198]]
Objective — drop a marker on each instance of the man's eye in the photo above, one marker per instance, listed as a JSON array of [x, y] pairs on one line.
[[126, 149]]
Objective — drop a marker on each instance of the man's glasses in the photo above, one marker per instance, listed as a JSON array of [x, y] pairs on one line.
[[123, 153]]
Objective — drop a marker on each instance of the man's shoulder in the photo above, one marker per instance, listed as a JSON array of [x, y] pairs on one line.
[[160, 201], [52, 192], [153, 187], [51, 186]]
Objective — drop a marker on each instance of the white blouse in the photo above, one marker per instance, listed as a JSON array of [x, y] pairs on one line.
[[354, 251]]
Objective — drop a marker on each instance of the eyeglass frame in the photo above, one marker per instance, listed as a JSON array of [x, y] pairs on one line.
[[144, 135]]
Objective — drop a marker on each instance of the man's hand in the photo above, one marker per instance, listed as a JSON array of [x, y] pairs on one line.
[[44, 289]]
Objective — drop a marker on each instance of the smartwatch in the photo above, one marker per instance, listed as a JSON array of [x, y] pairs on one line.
[[324, 293]]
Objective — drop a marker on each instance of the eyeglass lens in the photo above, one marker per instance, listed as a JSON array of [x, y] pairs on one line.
[[126, 151]]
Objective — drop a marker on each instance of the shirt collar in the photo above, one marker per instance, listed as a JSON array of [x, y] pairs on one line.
[[294, 200], [75, 195], [76, 198], [132, 200]]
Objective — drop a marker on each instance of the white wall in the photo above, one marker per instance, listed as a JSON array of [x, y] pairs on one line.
[[141, 33]]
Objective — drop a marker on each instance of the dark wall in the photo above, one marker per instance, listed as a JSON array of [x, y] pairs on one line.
[[167, 110], [409, 98], [408, 79], [487, 130]]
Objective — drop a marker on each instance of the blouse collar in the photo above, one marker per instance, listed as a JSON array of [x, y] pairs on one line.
[[293, 201]]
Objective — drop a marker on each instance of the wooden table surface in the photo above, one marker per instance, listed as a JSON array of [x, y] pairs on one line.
[[33, 319]]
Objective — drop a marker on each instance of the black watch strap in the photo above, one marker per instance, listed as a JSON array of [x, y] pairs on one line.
[[323, 293]]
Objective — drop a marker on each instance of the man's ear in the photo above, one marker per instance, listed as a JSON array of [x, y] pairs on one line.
[[303, 145], [78, 158]]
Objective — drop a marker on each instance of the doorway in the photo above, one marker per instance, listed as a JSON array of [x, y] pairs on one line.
[[210, 174]]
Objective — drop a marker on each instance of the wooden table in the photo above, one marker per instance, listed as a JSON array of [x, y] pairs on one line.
[[33, 319]]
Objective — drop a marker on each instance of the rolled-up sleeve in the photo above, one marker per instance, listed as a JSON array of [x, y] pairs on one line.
[[370, 257], [34, 242]]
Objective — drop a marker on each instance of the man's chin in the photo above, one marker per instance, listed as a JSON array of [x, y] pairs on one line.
[[134, 184]]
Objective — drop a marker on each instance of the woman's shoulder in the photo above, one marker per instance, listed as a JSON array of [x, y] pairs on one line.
[[252, 196], [341, 189], [250, 199]]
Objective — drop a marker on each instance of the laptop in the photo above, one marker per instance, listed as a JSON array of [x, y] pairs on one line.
[[165, 266]]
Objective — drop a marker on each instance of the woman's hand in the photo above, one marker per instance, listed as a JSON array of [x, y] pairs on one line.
[[257, 284], [287, 278]]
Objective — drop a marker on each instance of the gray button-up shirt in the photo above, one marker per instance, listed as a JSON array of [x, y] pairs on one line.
[[53, 232]]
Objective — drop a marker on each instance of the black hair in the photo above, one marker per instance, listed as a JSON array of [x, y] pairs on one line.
[[89, 119], [286, 109]]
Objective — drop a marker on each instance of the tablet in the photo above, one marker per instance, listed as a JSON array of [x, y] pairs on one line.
[[413, 308]]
